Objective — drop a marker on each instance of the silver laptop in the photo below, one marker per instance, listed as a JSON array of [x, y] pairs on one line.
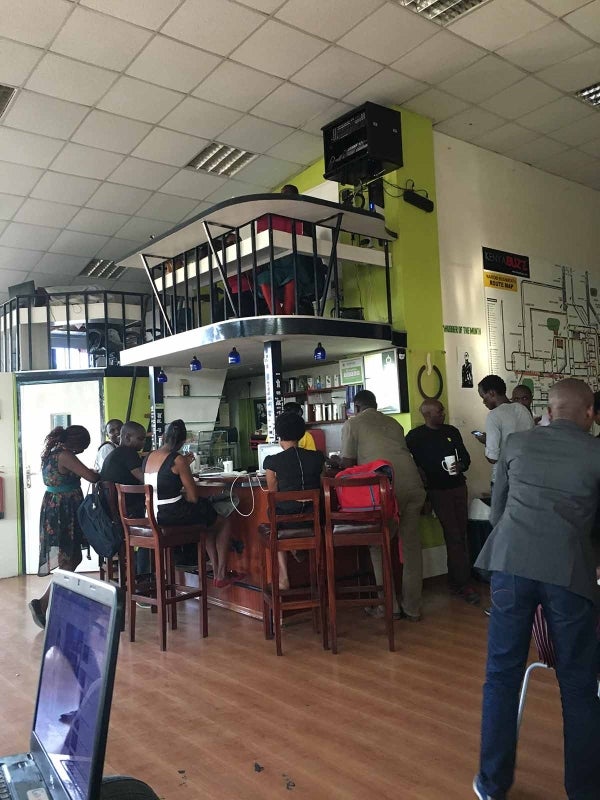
[[70, 723]]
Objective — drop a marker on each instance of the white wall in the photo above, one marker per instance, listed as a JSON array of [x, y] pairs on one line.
[[9, 559], [485, 199]]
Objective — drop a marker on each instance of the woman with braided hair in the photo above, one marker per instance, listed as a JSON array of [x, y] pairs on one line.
[[61, 537]]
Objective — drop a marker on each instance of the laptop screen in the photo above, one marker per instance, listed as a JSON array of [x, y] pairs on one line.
[[68, 717]]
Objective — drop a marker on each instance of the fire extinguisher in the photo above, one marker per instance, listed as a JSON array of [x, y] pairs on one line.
[[1, 497]]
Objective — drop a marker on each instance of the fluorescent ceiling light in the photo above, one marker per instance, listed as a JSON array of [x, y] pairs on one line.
[[221, 159], [441, 11], [590, 95], [102, 268], [6, 95]]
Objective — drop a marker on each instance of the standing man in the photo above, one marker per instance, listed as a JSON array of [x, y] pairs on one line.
[[522, 394], [113, 432], [540, 551], [371, 435], [431, 444]]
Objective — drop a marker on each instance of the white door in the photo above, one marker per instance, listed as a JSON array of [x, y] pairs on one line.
[[38, 402]]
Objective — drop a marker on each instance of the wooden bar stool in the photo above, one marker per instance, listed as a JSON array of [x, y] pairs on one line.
[[112, 569], [351, 529], [283, 533], [145, 532]]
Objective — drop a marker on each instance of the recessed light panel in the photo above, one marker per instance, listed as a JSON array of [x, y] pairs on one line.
[[441, 11], [221, 159]]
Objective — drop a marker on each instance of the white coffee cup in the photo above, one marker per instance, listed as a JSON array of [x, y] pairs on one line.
[[227, 466], [449, 464]]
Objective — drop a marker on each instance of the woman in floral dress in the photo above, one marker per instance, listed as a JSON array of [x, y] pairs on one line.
[[61, 536]]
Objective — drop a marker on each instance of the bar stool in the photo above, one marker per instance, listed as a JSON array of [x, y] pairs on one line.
[[283, 533], [160, 539], [112, 569], [351, 529]]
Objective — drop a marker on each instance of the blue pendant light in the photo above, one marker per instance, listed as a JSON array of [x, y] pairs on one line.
[[161, 377], [195, 365], [234, 357], [320, 354]]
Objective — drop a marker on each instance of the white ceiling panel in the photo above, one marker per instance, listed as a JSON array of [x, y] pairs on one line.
[[130, 97], [268, 172], [46, 115], [537, 150], [60, 265], [255, 135], [115, 249], [28, 148], [113, 43], [470, 124], [9, 203], [575, 73], [336, 72], [199, 118], [300, 146], [438, 58], [142, 229], [495, 24], [10, 277], [167, 207], [16, 179], [436, 105], [482, 79], [520, 98], [3, 224], [197, 210], [329, 20], [44, 212], [337, 109], [34, 237], [233, 188], [560, 7], [144, 174], [169, 147], [388, 33], [70, 80], [110, 132], [292, 105], [201, 23], [33, 21], [592, 148], [278, 49], [87, 162], [17, 61], [578, 133], [192, 184], [149, 13], [506, 137], [239, 86], [121, 199], [388, 87], [556, 115], [19, 259], [89, 220], [268, 6], [76, 243], [172, 64], [570, 163], [586, 20], [548, 45], [65, 188]]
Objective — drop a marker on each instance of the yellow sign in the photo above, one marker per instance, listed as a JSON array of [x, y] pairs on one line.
[[495, 280]]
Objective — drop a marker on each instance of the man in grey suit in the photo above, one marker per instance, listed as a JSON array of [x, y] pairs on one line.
[[540, 551]]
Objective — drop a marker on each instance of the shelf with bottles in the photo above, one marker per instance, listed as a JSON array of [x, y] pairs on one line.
[[314, 390]]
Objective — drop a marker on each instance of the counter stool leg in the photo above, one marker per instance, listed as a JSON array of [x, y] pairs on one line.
[[314, 588], [130, 592], [321, 578], [267, 622], [172, 607], [160, 594], [331, 596], [388, 588], [276, 595], [203, 586]]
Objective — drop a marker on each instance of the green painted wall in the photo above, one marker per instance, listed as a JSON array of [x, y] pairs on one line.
[[116, 399]]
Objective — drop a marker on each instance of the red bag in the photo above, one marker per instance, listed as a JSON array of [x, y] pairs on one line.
[[367, 498]]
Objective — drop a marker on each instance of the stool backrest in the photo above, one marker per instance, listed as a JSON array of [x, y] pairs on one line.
[[131, 523], [310, 514], [376, 515], [543, 642]]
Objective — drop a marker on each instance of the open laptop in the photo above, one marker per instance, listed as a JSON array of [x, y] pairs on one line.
[[70, 723]]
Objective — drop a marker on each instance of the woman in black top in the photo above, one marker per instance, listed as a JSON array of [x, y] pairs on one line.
[[292, 470]]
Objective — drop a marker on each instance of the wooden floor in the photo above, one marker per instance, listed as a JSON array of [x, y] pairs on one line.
[[195, 721]]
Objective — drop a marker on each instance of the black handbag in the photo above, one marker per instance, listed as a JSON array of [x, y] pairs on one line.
[[103, 534]]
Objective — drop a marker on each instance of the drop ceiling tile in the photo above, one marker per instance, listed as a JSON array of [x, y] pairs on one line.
[[144, 174], [149, 13], [578, 133], [172, 64], [89, 220], [438, 58], [70, 80], [17, 61], [110, 132], [99, 39], [592, 148], [571, 164], [33, 21], [336, 72], [117, 248], [44, 212], [17, 179], [586, 20], [493, 25], [300, 146], [483, 79], [59, 265], [521, 98], [46, 115], [65, 188], [9, 203], [88, 162], [388, 33], [556, 115], [336, 110], [537, 150], [388, 87], [197, 210], [132, 98], [3, 225], [560, 7], [241, 87], [35, 237], [268, 172], [231, 189], [215, 25], [189, 183], [141, 229], [278, 49], [506, 138], [10, 277], [329, 20], [574, 73], [268, 6], [291, 105], [199, 118], [548, 45], [169, 147], [121, 199], [28, 148], [167, 207], [255, 135], [19, 259], [436, 105], [470, 124], [78, 244]]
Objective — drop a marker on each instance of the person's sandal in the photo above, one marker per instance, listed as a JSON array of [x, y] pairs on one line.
[[38, 615]]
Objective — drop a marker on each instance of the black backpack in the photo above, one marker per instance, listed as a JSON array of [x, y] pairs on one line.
[[103, 533]]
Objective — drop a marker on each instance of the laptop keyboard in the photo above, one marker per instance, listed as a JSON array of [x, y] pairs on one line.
[[4, 792]]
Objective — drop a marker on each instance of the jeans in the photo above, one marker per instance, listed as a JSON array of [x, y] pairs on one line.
[[571, 622]]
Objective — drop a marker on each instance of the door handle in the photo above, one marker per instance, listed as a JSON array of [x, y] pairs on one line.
[[28, 477]]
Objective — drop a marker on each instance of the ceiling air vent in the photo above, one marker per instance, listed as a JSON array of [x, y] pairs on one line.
[[442, 11], [221, 159], [102, 268], [590, 95], [6, 95]]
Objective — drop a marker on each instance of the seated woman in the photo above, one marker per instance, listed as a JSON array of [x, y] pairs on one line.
[[292, 470], [177, 502]]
